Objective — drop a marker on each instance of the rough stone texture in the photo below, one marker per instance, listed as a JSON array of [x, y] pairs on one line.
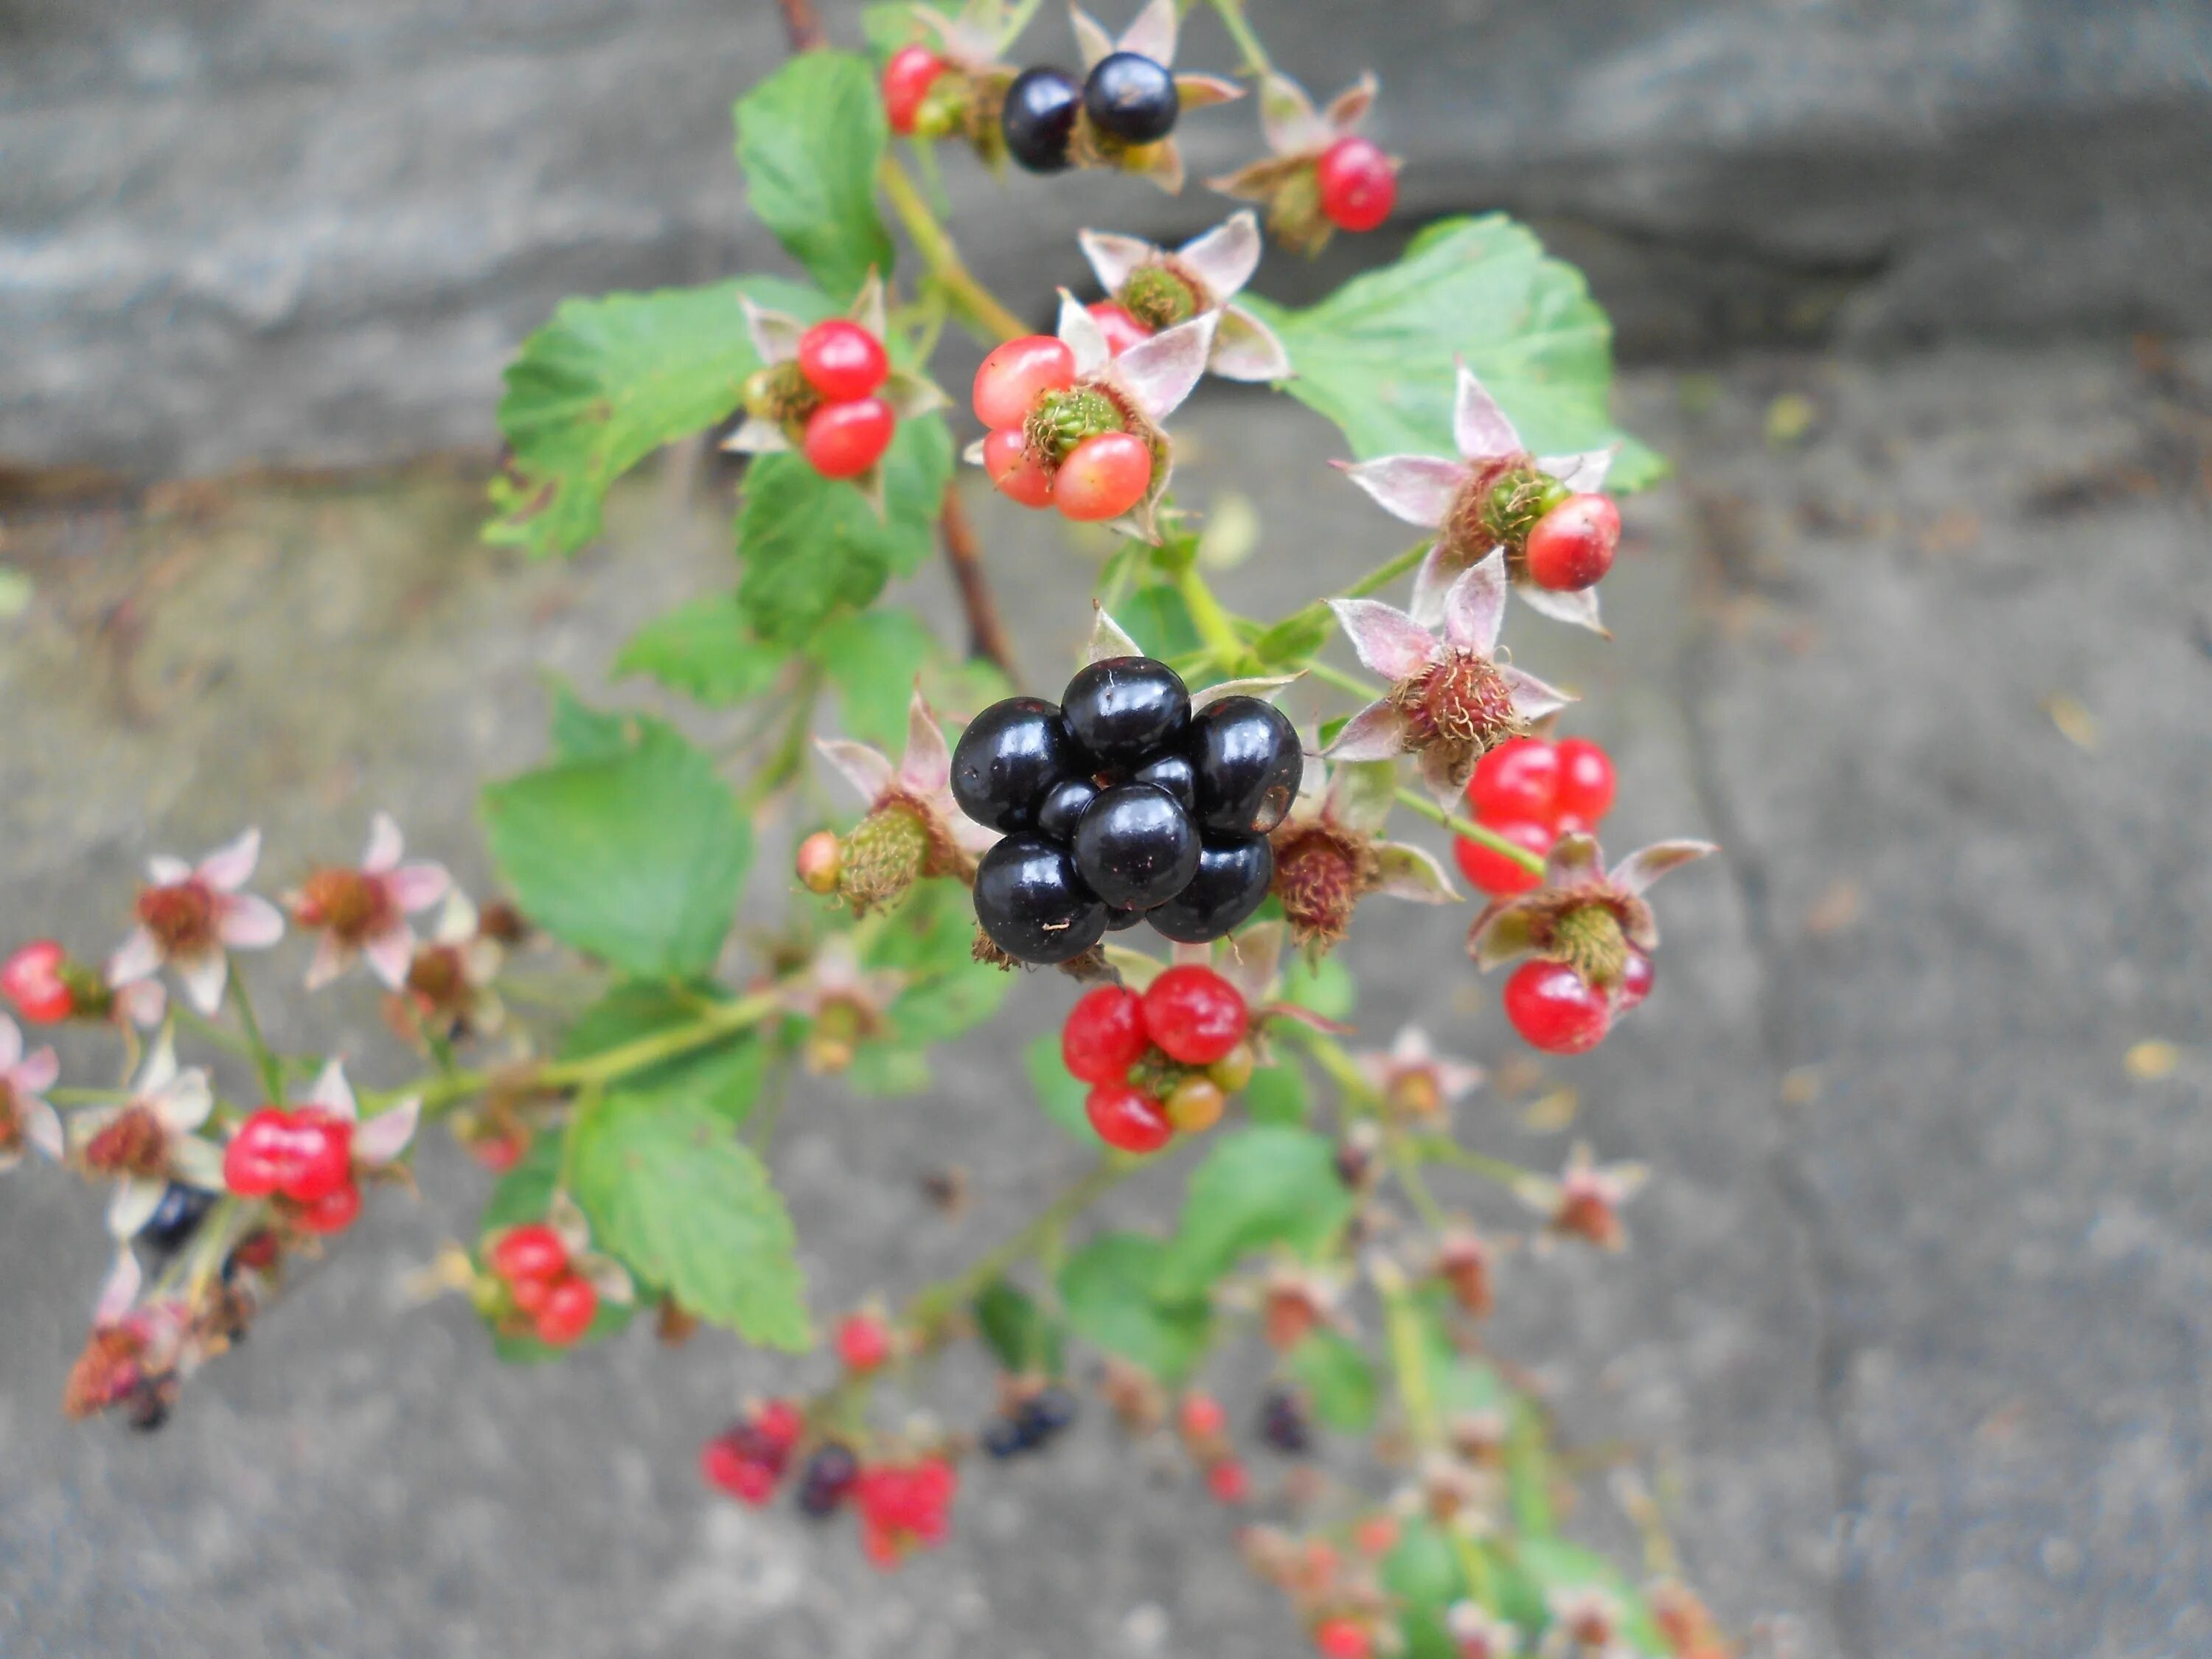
[[1915, 1321], [314, 230]]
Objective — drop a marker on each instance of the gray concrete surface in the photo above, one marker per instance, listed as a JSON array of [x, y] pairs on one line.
[[312, 230], [1917, 1317]]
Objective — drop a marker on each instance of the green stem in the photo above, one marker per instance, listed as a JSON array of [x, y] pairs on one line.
[[1409, 1362], [67, 1096], [264, 1057], [1214, 624], [1442, 1149], [1532, 862], [1343, 681], [1240, 31], [980, 306]]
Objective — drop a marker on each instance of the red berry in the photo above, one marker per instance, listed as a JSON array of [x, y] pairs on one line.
[[842, 361], [1519, 778], [1358, 183], [498, 1153], [1007, 461], [1121, 329], [1103, 476], [568, 1311], [779, 1424], [731, 1463], [1203, 1417], [1343, 1638], [908, 78], [530, 1295], [863, 1344], [332, 1212], [1490, 871], [1128, 1118], [1570, 547], [532, 1253], [1227, 1481], [1195, 1015], [32, 977], [1555, 1009], [844, 440], [1104, 1034], [322, 1154], [1017, 374], [258, 1159], [1586, 783], [1636, 978]]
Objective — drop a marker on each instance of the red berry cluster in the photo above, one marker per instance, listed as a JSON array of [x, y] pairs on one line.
[[1204, 1425], [1102, 475], [35, 982], [303, 1157], [532, 1264], [748, 1459], [1532, 791], [904, 1507], [850, 427], [1159, 1063]]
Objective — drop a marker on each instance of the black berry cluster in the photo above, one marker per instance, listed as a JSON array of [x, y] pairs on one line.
[[1122, 805], [1128, 99], [1031, 1426]]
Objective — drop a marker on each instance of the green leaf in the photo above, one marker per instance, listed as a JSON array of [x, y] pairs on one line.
[[1158, 619], [813, 545], [1423, 1574], [931, 939], [606, 383], [1023, 1336], [1553, 1565], [873, 658], [522, 1195], [1339, 1378], [1376, 355], [673, 1193], [705, 649], [1061, 1095], [1277, 1094], [725, 1079], [1293, 641], [881, 1072], [810, 138], [1108, 1290], [1326, 988], [636, 856], [1257, 1188], [583, 732], [887, 27]]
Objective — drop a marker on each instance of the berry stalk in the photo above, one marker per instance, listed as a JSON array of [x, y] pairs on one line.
[[1459, 826], [976, 304]]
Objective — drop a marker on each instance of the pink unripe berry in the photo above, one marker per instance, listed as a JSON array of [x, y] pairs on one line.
[[1358, 183], [1103, 476], [821, 859], [1016, 375], [1571, 548]]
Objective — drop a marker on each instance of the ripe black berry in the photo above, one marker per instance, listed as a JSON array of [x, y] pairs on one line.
[[1039, 118], [1049, 1411], [1176, 774], [1129, 97], [176, 1218], [1120, 921], [1233, 873], [1033, 904], [1008, 757], [829, 1479], [1135, 846], [1248, 764], [1123, 711], [1007, 1436], [1062, 808], [1283, 1425]]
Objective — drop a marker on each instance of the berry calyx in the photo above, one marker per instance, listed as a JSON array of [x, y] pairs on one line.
[[908, 77], [1196, 1105], [569, 1308], [1016, 375], [1571, 547], [33, 978], [1555, 1009], [844, 440], [1519, 778], [1492, 872], [1131, 99], [821, 859], [842, 361], [532, 1253], [1358, 183], [1128, 1118], [1013, 470], [1104, 1034], [1121, 330], [1103, 476], [863, 1343], [1586, 781], [1194, 1015]]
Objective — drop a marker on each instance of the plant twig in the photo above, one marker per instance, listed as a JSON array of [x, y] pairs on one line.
[[264, 1057], [982, 308], [801, 28], [986, 630], [1532, 862], [1232, 19]]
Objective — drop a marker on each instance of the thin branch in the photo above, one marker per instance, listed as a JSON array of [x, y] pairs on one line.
[[986, 630], [800, 25]]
